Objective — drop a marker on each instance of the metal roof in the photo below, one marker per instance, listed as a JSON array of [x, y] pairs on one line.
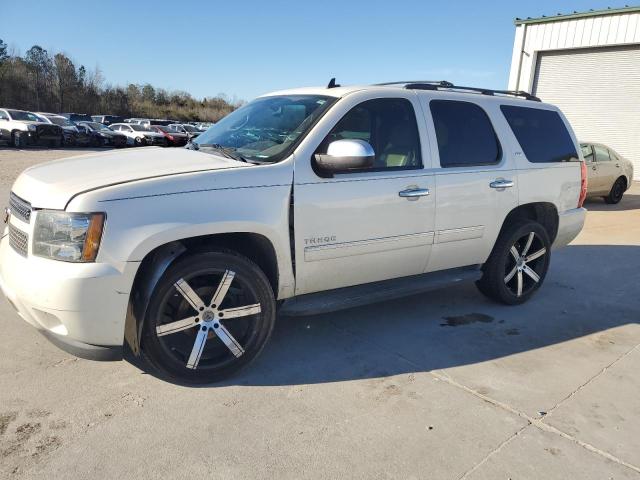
[[571, 16]]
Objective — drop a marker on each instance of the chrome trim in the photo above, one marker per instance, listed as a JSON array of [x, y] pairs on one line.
[[502, 183], [414, 192], [20, 208], [18, 240]]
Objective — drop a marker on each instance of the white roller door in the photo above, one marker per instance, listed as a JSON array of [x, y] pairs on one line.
[[598, 89]]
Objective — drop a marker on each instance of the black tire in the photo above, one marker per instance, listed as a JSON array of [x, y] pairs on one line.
[[617, 191], [17, 139], [175, 351], [510, 280], [138, 142]]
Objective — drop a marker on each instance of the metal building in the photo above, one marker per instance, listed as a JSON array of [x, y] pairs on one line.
[[588, 64]]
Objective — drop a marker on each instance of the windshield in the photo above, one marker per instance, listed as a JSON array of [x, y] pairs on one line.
[[139, 128], [267, 128], [62, 121], [97, 126], [190, 128], [24, 116]]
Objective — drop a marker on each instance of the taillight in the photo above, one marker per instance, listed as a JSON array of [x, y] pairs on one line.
[[583, 184]]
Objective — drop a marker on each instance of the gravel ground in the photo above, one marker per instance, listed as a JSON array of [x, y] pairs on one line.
[[442, 385]]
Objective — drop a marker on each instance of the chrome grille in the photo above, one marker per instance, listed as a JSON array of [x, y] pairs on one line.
[[18, 240], [20, 208]]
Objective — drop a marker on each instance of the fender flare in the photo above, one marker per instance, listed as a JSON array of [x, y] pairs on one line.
[[146, 279]]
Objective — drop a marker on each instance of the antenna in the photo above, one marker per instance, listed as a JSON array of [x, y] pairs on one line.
[[332, 83]]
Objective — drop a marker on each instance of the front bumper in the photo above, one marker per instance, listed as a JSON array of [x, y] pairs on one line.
[[77, 305], [570, 224]]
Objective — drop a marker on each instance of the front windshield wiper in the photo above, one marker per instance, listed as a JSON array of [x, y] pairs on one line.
[[227, 152]]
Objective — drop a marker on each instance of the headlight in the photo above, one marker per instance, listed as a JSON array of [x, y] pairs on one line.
[[32, 128], [70, 237]]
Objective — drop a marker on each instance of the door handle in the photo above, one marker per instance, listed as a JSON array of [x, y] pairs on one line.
[[594, 168], [502, 184], [414, 193]]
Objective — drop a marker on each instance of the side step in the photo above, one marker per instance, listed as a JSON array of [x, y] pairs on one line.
[[349, 297]]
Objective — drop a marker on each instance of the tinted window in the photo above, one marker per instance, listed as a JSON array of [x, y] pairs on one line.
[[4, 115], [587, 152], [542, 134], [465, 134], [602, 154], [389, 125]]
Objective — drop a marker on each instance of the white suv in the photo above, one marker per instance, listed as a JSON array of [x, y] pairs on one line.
[[308, 200]]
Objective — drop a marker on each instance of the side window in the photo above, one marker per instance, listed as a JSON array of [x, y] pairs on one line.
[[542, 134], [3, 115], [389, 125], [602, 154], [465, 134], [587, 153]]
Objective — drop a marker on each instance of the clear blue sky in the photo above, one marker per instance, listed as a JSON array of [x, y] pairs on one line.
[[245, 47]]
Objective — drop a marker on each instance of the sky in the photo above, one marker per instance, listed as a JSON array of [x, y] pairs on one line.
[[244, 48]]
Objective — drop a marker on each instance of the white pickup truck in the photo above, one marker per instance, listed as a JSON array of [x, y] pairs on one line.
[[308, 200]]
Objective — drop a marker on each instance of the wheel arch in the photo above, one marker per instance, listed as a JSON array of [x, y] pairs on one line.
[[545, 213], [254, 246]]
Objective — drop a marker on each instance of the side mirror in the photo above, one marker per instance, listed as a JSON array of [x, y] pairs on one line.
[[343, 155]]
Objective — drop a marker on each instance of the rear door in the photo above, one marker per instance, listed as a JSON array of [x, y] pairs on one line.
[[606, 174], [357, 227], [476, 180]]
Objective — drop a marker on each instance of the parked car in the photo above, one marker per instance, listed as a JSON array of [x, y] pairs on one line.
[[78, 117], [174, 139], [21, 128], [609, 173], [202, 126], [139, 135], [103, 136], [107, 119], [190, 130], [290, 197], [70, 132]]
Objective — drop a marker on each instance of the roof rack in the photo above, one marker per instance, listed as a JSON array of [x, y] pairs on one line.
[[443, 84]]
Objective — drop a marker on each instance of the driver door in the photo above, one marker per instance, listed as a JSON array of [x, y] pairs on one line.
[[360, 226]]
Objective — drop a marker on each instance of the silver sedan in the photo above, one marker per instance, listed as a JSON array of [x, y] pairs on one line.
[[609, 174]]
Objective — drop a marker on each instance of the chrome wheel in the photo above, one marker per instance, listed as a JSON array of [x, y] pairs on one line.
[[523, 267], [208, 319]]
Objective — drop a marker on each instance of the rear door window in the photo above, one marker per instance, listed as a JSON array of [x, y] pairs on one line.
[[542, 134], [465, 134], [602, 154]]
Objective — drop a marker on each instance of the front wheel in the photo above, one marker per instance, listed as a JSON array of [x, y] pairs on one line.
[[518, 263], [210, 315]]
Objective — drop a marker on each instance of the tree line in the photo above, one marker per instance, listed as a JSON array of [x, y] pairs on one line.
[[43, 82]]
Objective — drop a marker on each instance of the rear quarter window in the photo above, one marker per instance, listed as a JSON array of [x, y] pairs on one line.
[[542, 134]]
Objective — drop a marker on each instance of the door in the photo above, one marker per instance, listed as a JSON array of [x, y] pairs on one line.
[[476, 182], [361, 226], [598, 89], [606, 174], [592, 168]]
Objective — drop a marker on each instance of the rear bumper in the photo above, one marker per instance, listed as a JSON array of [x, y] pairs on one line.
[[570, 224]]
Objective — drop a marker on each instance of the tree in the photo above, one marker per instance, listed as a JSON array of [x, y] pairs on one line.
[[41, 67], [148, 93], [66, 78]]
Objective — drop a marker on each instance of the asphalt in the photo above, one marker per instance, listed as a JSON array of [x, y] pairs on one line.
[[442, 385]]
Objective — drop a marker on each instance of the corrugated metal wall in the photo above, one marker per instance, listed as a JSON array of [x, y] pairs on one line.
[[598, 89]]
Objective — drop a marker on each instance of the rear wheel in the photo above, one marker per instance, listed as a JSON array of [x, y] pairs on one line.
[[617, 191], [210, 315], [517, 265]]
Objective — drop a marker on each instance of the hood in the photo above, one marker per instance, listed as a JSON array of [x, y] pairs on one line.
[[53, 184]]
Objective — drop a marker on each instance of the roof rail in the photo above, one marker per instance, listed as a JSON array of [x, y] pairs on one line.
[[443, 84]]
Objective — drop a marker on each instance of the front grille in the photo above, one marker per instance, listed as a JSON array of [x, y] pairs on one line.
[[18, 240], [19, 208], [48, 130]]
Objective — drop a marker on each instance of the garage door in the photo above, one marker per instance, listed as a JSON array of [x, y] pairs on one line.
[[598, 89]]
